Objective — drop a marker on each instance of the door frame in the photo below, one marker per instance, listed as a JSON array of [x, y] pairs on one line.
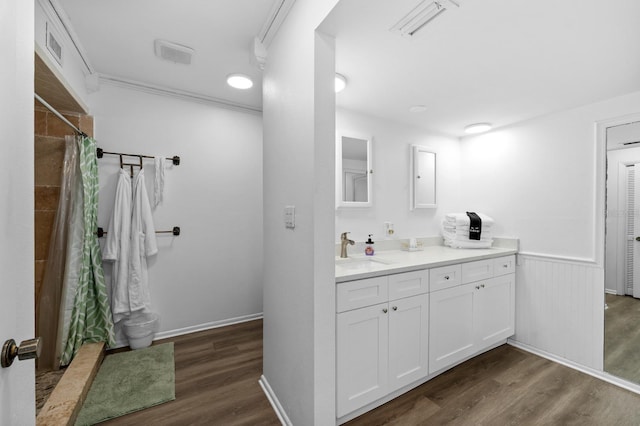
[[601, 180], [17, 383]]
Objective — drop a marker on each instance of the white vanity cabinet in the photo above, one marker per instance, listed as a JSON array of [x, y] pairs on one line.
[[474, 314], [384, 346], [395, 331]]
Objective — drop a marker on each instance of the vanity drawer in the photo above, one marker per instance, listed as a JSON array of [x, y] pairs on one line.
[[408, 284], [445, 277], [504, 265], [476, 271], [360, 293]]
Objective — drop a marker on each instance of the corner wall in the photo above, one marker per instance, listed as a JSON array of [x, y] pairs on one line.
[[539, 179], [299, 281], [211, 274]]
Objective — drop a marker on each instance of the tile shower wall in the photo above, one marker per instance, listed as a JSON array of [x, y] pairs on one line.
[[48, 158]]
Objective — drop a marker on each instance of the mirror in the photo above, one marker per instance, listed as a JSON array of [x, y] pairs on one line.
[[423, 178], [353, 164], [622, 252]]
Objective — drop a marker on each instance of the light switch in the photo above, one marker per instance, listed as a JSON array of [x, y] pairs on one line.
[[290, 217]]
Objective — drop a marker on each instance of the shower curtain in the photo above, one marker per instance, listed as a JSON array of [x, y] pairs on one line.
[[90, 316], [61, 271], [83, 313]]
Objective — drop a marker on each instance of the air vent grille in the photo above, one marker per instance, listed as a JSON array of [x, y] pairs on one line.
[[173, 52], [53, 45], [425, 12]]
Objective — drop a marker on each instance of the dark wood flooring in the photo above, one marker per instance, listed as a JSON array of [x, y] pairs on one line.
[[217, 374], [508, 386]]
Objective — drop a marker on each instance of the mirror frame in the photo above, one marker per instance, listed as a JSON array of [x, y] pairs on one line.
[[413, 204], [340, 203]]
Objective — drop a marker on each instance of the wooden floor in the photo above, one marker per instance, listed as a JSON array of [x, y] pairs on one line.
[[508, 386], [622, 337], [217, 375]]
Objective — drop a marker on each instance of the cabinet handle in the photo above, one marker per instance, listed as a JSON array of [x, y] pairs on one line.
[[395, 308], [384, 310], [505, 266], [482, 285], [477, 287], [446, 277]]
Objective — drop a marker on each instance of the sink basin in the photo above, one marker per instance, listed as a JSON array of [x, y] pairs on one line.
[[363, 263]]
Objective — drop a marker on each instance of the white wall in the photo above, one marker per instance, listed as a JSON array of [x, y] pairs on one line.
[[211, 273], [299, 153], [17, 387], [391, 175], [538, 179]]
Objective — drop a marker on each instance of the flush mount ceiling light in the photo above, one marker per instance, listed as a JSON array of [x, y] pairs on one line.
[[239, 81], [417, 108], [341, 82], [477, 128]]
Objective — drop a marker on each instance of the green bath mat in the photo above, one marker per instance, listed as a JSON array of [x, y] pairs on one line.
[[128, 382]]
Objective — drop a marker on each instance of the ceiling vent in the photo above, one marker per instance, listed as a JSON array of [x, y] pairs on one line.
[[425, 12], [173, 52]]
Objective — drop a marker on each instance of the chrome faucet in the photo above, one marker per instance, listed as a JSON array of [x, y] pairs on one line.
[[343, 244]]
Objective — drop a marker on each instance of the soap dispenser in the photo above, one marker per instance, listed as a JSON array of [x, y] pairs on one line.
[[368, 250]]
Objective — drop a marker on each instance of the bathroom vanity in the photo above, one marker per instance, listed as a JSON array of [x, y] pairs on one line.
[[402, 318]]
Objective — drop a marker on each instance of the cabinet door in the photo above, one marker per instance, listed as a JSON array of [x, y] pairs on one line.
[[451, 334], [408, 340], [362, 357], [494, 310]]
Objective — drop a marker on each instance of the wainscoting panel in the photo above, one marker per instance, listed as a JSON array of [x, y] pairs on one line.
[[560, 308]]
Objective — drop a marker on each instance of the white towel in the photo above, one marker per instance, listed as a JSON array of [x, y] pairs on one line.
[[468, 244], [485, 236], [453, 228], [463, 220], [158, 187]]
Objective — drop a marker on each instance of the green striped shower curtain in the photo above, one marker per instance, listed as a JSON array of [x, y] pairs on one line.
[[90, 316]]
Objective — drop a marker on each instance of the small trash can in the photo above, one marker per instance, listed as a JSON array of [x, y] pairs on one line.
[[140, 329]]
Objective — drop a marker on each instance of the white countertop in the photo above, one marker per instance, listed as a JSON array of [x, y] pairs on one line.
[[396, 261]]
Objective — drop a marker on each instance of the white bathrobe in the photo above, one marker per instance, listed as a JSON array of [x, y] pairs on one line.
[[131, 238]]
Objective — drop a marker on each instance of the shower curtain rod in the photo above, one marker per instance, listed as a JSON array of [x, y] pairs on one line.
[[60, 116]]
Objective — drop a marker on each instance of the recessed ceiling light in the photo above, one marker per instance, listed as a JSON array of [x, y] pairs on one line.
[[477, 128], [239, 81], [417, 108], [341, 82]]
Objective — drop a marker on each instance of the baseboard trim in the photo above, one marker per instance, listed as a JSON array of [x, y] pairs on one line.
[[273, 400], [207, 326], [196, 328], [633, 387]]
